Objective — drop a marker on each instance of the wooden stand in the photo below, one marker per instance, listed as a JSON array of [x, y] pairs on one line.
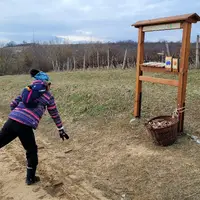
[[170, 23]]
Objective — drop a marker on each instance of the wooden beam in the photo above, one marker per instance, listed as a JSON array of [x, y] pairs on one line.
[[157, 70], [140, 59], [159, 80], [166, 20], [185, 49]]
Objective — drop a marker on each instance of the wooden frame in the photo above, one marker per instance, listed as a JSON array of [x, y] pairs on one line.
[[170, 23]]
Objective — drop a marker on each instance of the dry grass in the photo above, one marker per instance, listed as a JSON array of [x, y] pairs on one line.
[[114, 156]]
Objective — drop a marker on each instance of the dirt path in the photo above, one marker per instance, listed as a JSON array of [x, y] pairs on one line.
[[103, 164], [12, 182], [54, 185]]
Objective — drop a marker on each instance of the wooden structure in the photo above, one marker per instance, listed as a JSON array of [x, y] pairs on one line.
[[169, 23]]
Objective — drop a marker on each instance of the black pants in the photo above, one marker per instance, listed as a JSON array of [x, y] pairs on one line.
[[13, 129]]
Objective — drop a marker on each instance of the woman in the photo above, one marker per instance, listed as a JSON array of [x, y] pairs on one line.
[[23, 119]]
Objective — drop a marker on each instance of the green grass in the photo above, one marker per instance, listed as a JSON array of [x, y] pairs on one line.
[[82, 95], [88, 95], [109, 152]]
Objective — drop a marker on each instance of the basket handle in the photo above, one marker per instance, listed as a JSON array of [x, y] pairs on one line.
[[147, 125]]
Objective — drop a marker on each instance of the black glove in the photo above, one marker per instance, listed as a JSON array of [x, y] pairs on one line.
[[63, 135]]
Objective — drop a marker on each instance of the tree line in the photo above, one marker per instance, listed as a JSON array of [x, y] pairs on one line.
[[18, 59]]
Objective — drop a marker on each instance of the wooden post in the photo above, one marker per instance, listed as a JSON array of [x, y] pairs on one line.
[[140, 59], [68, 64], [74, 59], [98, 60], [52, 62], [185, 50], [63, 66], [108, 59], [197, 52], [167, 48], [124, 62], [128, 62], [84, 62], [57, 66], [163, 56]]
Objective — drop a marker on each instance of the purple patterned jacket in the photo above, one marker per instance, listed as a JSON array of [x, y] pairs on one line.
[[32, 116]]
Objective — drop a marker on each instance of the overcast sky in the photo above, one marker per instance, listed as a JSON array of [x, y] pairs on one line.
[[75, 20]]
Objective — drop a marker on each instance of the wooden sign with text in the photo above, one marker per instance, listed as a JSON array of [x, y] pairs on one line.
[[162, 27]]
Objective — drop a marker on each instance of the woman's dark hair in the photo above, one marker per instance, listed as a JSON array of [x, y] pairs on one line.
[[33, 72]]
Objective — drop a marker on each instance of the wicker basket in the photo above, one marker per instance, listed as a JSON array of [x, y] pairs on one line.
[[164, 136]]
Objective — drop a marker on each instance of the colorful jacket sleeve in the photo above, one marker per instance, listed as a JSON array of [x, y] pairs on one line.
[[15, 102], [53, 111]]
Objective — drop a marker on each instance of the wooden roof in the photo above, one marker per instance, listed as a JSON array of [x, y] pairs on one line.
[[193, 18]]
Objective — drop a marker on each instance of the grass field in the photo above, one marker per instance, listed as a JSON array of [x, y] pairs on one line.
[[114, 156]]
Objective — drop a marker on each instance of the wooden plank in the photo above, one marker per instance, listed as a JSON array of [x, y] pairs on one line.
[[166, 20], [162, 27], [140, 59], [185, 49], [159, 80], [157, 70]]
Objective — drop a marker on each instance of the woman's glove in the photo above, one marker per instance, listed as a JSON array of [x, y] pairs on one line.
[[63, 134]]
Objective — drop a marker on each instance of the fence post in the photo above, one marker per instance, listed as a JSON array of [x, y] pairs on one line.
[[74, 59], [98, 60], [124, 62], [108, 57], [84, 62]]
